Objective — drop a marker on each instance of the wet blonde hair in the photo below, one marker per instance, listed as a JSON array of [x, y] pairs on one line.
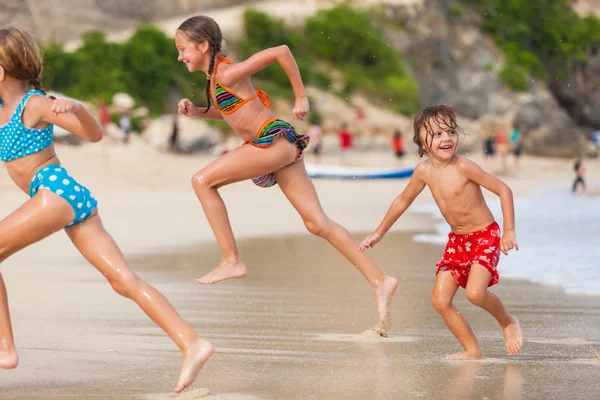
[[21, 58], [441, 114]]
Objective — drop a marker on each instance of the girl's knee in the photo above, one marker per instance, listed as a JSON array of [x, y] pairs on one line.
[[125, 285], [476, 296], [440, 303], [319, 226]]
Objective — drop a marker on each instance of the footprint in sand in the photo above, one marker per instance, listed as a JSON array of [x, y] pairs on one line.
[[202, 393], [372, 335]]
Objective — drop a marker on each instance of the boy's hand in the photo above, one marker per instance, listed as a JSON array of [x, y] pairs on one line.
[[370, 241], [508, 241]]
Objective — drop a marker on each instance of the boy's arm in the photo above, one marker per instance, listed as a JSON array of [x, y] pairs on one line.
[[475, 173], [399, 206], [261, 60]]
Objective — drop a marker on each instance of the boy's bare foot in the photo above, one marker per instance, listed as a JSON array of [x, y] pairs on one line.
[[513, 337], [383, 297], [466, 355], [194, 357], [224, 271], [9, 359]]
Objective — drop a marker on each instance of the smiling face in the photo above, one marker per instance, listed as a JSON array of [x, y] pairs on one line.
[[193, 55], [441, 139], [436, 132]]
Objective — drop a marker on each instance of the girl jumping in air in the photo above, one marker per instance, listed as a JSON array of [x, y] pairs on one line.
[[271, 154], [58, 201], [475, 242]]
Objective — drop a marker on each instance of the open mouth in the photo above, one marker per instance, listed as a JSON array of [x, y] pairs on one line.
[[446, 147]]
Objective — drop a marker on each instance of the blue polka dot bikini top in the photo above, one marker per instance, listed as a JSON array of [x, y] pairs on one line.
[[17, 140]]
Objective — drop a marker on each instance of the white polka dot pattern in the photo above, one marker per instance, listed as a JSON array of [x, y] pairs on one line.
[[57, 180], [17, 140]]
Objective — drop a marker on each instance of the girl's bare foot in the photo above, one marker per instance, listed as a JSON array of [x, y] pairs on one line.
[[194, 357], [383, 297], [224, 271], [9, 359], [466, 355], [513, 337]]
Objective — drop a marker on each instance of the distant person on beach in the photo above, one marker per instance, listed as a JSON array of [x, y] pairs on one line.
[[579, 186], [315, 134], [272, 153], [502, 146], [398, 144], [345, 140], [103, 114], [515, 141], [174, 138], [59, 202], [125, 125], [474, 244]]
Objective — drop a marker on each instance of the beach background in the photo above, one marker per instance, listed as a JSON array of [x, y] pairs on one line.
[[294, 327], [291, 328]]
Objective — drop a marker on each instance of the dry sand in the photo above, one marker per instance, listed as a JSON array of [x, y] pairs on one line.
[[289, 329]]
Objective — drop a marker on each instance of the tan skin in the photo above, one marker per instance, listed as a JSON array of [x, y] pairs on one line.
[[455, 183], [47, 213], [246, 162]]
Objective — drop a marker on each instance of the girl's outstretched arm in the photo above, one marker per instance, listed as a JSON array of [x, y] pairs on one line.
[[70, 115], [399, 206], [476, 174], [262, 60]]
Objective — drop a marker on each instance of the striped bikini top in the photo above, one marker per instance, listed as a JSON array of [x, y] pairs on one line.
[[226, 100], [18, 140]]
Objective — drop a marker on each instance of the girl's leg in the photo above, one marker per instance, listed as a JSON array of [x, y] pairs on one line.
[[443, 292], [300, 191], [242, 163], [38, 218], [477, 293], [99, 248]]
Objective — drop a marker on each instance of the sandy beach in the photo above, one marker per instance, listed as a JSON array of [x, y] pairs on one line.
[[289, 329]]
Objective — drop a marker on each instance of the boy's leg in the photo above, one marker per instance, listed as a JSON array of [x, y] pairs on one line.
[[477, 293], [443, 292]]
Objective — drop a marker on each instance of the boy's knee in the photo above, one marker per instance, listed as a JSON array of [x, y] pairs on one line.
[[319, 226], [476, 296], [440, 303]]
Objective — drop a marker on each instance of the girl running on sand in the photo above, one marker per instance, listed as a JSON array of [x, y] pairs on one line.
[[474, 245], [271, 154], [27, 119]]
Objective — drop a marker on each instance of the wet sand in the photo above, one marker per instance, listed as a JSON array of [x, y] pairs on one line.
[[288, 331]]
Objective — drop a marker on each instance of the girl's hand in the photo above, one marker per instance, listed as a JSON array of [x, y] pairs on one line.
[[370, 241], [63, 106], [187, 108], [301, 108], [508, 241]]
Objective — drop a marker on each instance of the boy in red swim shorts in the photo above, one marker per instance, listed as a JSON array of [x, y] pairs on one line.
[[475, 243], [481, 247]]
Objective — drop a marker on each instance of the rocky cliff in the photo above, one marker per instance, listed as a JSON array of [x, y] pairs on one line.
[[452, 59], [63, 20]]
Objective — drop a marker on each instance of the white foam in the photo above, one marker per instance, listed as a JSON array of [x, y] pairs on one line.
[[558, 236]]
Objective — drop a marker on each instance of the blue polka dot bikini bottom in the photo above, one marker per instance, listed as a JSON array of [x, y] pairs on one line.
[[56, 179]]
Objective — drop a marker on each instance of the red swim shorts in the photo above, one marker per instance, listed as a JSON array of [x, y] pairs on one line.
[[481, 247]]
